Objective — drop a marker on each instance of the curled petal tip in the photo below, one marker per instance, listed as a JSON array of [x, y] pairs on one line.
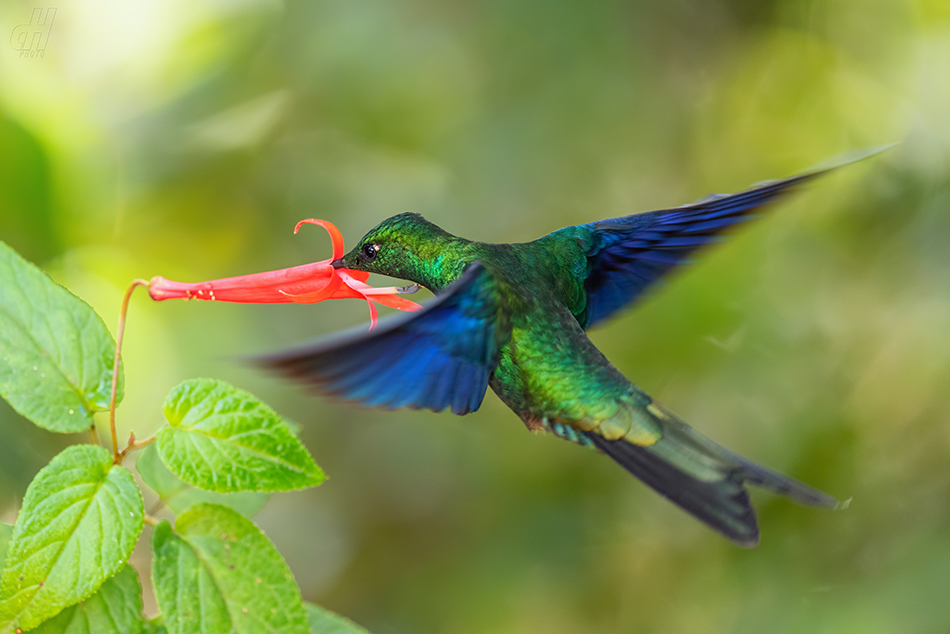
[[336, 238], [373, 318]]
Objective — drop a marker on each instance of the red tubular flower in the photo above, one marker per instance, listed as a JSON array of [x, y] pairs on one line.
[[304, 284]]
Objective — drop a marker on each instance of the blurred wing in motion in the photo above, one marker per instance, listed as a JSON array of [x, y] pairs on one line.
[[441, 356], [630, 253]]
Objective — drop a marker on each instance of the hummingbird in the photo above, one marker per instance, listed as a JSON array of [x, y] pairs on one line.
[[514, 318]]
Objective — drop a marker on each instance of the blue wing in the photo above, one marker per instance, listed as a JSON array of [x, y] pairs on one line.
[[630, 253], [441, 356]]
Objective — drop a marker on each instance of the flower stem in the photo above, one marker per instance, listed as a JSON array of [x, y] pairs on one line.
[[115, 366]]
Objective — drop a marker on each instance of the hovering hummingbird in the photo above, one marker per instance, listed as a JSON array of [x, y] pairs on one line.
[[513, 317]]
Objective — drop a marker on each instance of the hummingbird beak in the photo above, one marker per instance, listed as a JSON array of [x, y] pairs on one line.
[[338, 263]]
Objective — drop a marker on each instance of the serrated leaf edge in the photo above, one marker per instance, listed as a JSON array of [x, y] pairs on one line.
[[89, 407], [62, 547], [44, 352]]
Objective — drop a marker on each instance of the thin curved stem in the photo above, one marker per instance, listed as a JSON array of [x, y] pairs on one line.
[[115, 365]]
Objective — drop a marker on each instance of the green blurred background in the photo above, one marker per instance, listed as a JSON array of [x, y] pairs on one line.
[[186, 139]]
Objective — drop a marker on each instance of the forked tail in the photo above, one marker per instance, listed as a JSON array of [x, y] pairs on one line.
[[704, 478]]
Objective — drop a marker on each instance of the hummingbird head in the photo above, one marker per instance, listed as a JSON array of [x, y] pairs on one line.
[[406, 246]]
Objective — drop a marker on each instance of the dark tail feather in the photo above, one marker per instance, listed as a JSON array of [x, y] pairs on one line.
[[705, 479]]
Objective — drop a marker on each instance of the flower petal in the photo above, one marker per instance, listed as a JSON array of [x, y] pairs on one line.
[[319, 295], [387, 296], [270, 287], [336, 238], [357, 286], [305, 284], [373, 319], [395, 301]]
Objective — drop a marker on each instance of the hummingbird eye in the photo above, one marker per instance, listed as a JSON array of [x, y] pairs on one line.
[[369, 252]]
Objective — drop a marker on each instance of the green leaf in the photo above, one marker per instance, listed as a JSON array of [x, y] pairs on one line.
[[80, 519], [115, 609], [155, 626], [322, 621], [180, 496], [56, 353], [6, 532], [218, 573], [223, 439]]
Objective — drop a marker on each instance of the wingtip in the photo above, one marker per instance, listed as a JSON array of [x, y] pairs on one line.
[[851, 156], [842, 505], [266, 360]]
